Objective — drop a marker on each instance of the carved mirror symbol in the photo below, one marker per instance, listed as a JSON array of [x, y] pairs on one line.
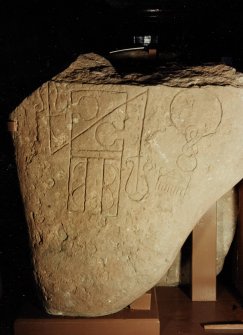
[[187, 161], [198, 109], [137, 185], [196, 113]]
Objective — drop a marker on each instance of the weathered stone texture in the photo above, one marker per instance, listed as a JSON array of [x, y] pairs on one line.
[[173, 275], [227, 211], [114, 176]]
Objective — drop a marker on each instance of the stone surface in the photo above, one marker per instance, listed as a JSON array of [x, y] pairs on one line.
[[173, 275], [115, 173], [227, 211]]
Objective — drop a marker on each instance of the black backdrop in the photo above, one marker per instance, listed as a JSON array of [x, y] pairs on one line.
[[39, 39]]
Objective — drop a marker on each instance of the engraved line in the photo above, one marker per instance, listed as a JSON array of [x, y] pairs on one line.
[[60, 114], [40, 95], [141, 137], [109, 113], [143, 121], [97, 91], [121, 161], [79, 186], [69, 181], [119, 189], [70, 153], [55, 151], [69, 166], [220, 121], [95, 150], [96, 154], [85, 183], [41, 99], [137, 158], [187, 186], [103, 184]]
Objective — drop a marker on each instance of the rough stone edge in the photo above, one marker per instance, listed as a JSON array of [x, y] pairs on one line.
[[94, 69]]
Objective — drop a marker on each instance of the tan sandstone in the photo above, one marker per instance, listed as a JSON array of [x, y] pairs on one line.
[[227, 211], [116, 170]]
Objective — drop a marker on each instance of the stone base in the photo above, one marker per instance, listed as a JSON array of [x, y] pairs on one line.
[[129, 321]]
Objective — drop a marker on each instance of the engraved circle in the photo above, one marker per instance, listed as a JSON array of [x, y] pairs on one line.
[[106, 134], [89, 107], [196, 108], [187, 163]]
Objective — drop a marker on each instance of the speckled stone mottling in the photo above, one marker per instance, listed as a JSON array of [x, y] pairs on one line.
[[115, 173]]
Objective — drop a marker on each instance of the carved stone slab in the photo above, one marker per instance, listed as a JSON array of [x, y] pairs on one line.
[[115, 176]]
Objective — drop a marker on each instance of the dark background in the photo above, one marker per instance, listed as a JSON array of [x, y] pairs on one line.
[[38, 39]]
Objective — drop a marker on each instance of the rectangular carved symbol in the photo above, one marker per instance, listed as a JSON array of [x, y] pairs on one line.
[[96, 148], [94, 185]]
